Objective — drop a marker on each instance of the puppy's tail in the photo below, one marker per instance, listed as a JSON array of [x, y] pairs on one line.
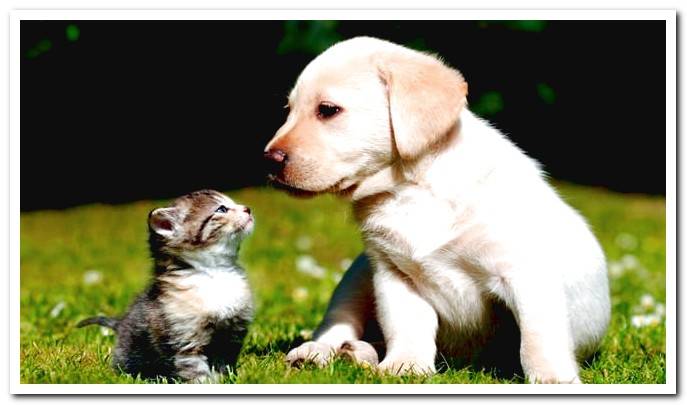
[[111, 323]]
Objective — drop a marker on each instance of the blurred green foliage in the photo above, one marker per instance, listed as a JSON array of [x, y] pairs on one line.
[[72, 32], [546, 93], [488, 104], [43, 46], [419, 44], [314, 36], [517, 25], [311, 37]]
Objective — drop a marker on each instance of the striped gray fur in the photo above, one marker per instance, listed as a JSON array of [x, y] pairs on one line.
[[191, 320]]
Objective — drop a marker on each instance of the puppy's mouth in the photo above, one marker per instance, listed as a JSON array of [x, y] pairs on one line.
[[279, 184], [336, 188]]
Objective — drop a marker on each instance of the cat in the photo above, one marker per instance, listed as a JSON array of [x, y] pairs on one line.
[[191, 321]]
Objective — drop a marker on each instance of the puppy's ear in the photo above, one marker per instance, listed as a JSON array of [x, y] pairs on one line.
[[163, 221], [425, 98]]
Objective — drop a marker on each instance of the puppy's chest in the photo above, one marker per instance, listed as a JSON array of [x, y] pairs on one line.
[[425, 238], [413, 224]]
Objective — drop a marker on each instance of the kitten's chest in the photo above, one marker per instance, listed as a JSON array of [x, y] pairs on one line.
[[214, 293]]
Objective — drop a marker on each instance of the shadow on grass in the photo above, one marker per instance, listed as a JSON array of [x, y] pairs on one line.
[[282, 345]]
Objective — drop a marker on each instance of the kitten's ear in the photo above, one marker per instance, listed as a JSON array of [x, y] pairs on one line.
[[163, 221]]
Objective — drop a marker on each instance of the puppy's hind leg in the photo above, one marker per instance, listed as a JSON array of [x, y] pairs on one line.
[[546, 346], [350, 308]]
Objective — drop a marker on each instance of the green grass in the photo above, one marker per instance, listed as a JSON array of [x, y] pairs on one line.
[[61, 250]]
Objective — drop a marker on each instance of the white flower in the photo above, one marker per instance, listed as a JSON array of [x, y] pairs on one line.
[[652, 319], [616, 269], [308, 265], [306, 334], [630, 261], [647, 301], [660, 309], [57, 309], [304, 243], [640, 321], [344, 264], [299, 294], [106, 331], [626, 241], [92, 277]]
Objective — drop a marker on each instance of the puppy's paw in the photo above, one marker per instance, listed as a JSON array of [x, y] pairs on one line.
[[549, 366], [311, 352], [359, 352], [406, 365], [553, 378]]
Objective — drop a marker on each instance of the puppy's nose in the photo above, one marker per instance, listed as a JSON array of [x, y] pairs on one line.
[[276, 161], [276, 155], [246, 210]]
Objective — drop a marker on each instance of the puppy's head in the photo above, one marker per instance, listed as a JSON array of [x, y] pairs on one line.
[[358, 107]]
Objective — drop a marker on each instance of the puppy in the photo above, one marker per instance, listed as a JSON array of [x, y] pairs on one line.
[[457, 221]]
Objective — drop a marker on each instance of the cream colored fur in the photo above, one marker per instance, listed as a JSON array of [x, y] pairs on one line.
[[453, 214]]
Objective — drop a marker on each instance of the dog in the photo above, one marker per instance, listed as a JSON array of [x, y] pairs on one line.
[[457, 220]]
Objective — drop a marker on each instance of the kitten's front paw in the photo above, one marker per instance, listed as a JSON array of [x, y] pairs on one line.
[[210, 378], [404, 365], [311, 352], [359, 352]]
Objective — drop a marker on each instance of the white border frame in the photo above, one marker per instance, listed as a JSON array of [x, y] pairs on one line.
[[671, 193]]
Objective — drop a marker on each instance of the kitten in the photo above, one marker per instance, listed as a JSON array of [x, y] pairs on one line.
[[191, 321]]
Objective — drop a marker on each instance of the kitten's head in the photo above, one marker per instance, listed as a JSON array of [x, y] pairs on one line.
[[203, 227]]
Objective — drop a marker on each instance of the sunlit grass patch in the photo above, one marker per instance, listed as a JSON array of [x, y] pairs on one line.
[[93, 259]]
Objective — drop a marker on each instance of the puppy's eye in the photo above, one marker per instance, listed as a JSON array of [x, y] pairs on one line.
[[327, 110], [222, 209]]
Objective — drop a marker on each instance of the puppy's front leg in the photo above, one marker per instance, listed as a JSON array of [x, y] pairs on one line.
[[350, 308], [546, 349], [409, 323]]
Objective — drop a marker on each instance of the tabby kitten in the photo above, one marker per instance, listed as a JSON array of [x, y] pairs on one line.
[[191, 321]]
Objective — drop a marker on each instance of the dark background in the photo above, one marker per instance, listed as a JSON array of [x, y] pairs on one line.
[[114, 111]]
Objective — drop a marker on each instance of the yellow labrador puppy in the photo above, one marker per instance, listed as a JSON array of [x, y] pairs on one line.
[[456, 219]]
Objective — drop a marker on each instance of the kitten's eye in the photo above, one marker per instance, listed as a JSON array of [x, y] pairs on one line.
[[327, 110], [222, 209]]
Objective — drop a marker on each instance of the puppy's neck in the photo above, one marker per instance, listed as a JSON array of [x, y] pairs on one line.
[[404, 172], [383, 181]]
